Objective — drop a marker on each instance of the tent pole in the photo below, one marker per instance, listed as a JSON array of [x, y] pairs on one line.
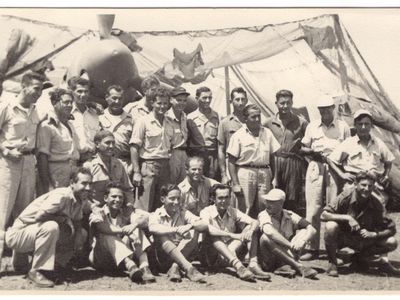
[[227, 89]]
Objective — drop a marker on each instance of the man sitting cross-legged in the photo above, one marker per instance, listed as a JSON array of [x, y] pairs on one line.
[[176, 233], [230, 231], [284, 236], [119, 239], [356, 219]]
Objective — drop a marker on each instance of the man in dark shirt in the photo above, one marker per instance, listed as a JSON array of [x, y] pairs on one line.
[[355, 219]]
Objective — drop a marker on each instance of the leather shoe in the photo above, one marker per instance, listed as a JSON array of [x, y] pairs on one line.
[[259, 273], [308, 272], [332, 270], [147, 276], [387, 267], [174, 274], [38, 278], [194, 275], [135, 274], [285, 271], [245, 274], [311, 255]]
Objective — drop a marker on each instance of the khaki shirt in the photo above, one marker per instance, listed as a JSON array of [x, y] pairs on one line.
[[183, 217], [86, 125], [18, 125], [252, 150], [354, 157], [195, 202], [180, 130], [319, 137], [102, 176], [233, 220], [121, 126], [153, 138], [288, 225], [57, 141], [58, 202], [227, 127], [207, 125], [137, 110]]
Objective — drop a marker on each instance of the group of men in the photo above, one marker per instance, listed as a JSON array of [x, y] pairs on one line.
[[146, 188]]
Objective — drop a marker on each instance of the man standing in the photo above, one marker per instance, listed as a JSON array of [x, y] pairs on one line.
[[363, 152], [320, 138], [150, 147], [57, 144], [195, 188], [355, 219], [176, 118], [85, 119], [290, 165], [50, 228], [18, 126], [119, 122], [207, 121], [228, 126], [250, 152]]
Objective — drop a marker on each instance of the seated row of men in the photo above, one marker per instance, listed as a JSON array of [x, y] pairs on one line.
[[50, 228]]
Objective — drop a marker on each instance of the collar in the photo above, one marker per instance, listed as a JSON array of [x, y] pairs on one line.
[[98, 161], [234, 117], [142, 105], [276, 120], [72, 196], [107, 212], [249, 132], [171, 115], [123, 116], [185, 185], [353, 200], [371, 140], [334, 123], [214, 212], [89, 110], [198, 113], [163, 213]]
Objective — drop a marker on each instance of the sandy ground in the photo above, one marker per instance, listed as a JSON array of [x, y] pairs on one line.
[[88, 279]]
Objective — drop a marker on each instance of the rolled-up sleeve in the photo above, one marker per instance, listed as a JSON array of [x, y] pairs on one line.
[[138, 132], [44, 139], [234, 146]]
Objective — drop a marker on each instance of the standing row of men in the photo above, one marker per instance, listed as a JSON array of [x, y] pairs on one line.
[[146, 145]]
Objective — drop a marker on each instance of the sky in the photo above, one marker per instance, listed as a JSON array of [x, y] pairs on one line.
[[376, 32]]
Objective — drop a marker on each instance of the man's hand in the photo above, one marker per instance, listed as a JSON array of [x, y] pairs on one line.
[[225, 179], [182, 230], [349, 177], [236, 188], [128, 229], [353, 224], [236, 236], [297, 245], [368, 234], [137, 179], [12, 154], [384, 181], [68, 221], [247, 235]]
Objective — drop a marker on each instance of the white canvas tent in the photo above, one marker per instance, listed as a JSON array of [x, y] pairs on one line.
[[311, 57]]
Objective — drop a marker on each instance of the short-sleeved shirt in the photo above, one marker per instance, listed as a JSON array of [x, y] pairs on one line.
[[252, 150], [195, 202], [180, 130], [320, 137], [153, 138], [369, 215], [102, 214], [137, 110], [290, 135], [121, 126], [58, 202], [102, 176], [289, 223], [182, 217], [227, 127], [18, 125], [355, 157], [233, 220], [57, 140], [86, 125], [208, 126]]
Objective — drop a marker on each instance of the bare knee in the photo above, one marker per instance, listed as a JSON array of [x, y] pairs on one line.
[[51, 227], [391, 243], [331, 227]]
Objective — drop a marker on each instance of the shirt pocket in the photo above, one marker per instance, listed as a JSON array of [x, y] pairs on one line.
[[211, 130]]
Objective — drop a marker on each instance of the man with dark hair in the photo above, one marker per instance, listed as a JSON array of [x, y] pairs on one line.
[[176, 232], [355, 219], [290, 165], [143, 107], [85, 119], [206, 120], [119, 122], [363, 152], [50, 227], [231, 233], [250, 152], [195, 188], [150, 148], [228, 126], [18, 127], [119, 240], [57, 144]]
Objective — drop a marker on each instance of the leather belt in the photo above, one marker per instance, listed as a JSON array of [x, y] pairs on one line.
[[254, 166], [28, 152]]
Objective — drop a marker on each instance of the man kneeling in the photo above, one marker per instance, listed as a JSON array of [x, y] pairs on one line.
[[230, 233], [50, 228], [118, 237], [355, 219], [285, 234], [176, 233]]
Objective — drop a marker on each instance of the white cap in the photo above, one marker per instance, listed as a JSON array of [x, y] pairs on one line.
[[275, 195], [325, 101], [361, 112]]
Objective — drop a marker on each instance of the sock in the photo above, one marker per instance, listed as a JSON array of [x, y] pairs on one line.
[[236, 263]]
